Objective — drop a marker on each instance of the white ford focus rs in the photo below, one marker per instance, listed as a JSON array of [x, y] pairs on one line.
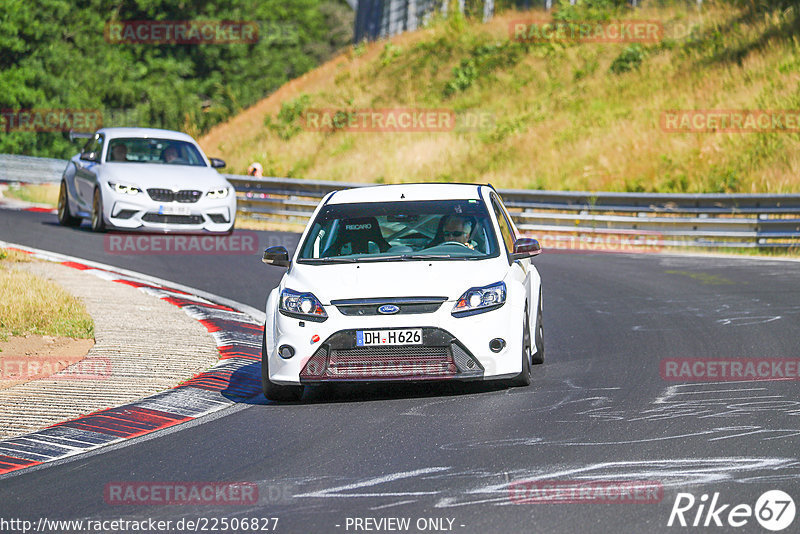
[[404, 282], [146, 179]]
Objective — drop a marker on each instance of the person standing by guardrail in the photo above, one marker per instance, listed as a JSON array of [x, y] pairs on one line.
[[255, 169]]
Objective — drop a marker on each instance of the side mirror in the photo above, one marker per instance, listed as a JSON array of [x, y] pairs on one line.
[[277, 256], [89, 156], [525, 247], [217, 163]]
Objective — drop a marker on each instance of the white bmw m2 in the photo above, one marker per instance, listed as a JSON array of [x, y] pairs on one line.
[[404, 282], [145, 179]]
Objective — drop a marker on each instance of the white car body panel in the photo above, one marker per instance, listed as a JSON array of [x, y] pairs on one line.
[[397, 279], [83, 177]]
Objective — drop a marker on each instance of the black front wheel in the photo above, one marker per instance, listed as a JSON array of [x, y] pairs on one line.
[[275, 392], [524, 377], [539, 356]]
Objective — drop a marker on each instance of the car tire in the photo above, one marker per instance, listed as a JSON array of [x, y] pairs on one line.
[[538, 358], [98, 224], [524, 377], [275, 392], [65, 218]]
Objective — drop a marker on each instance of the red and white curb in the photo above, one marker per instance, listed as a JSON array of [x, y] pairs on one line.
[[21, 205], [237, 330]]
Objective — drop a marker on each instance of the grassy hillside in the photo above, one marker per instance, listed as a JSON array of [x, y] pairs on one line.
[[565, 115]]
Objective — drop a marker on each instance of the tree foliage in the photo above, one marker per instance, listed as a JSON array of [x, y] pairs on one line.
[[54, 55]]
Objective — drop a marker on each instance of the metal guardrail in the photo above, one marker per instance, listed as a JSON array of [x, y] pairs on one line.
[[30, 170], [698, 220]]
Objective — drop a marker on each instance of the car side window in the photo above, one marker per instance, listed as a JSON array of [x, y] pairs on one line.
[[505, 229], [94, 146], [511, 226]]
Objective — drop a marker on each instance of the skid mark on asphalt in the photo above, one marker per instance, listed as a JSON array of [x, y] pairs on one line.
[[548, 396], [727, 310], [734, 409], [749, 320], [345, 490], [469, 487], [670, 473]]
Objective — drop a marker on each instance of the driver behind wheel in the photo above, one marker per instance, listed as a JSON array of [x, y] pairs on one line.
[[458, 229], [170, 154]]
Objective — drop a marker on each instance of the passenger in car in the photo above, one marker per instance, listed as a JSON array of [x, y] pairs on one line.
[[170, 154], [119, 152]]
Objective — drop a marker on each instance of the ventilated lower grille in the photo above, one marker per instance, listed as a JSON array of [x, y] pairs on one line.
[[339, 359], [186, 196], [391, 362], [217, 218], [172, 219]]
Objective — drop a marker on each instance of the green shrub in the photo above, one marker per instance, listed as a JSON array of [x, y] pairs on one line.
[[589, 10], [463, 77], [285, 125], [389, 53], [629, 59]]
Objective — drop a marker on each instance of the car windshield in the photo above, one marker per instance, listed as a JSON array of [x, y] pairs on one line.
[[400, 231], [161, 151]]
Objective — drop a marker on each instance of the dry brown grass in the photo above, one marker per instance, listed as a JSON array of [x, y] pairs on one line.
[[563, 121], [39, 194], [31, 305]]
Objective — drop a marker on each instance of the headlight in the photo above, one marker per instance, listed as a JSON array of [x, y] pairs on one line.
[[123, 189], [480, 299], [302, 306], [218, 193]]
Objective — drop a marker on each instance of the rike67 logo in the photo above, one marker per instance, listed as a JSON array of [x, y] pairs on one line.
[[774, 510]]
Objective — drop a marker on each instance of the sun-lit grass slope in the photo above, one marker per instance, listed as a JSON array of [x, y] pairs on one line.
[[36, 193], [565, 115]]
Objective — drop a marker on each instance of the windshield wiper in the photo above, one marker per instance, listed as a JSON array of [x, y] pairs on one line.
[[332, 259], [376, 259], [428, 256]]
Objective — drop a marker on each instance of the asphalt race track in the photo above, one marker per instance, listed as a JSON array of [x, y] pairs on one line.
[[598, 410]]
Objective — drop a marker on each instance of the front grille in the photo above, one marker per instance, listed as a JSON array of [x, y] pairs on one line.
[[185, 196], [406, 305], [172, 219], [441, 357], [390, 362]]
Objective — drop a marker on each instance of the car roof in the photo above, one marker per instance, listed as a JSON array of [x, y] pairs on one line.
[[112, 133], [396, 192]]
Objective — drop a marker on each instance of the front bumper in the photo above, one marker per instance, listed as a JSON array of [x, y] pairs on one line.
[[453, 348], [140, 212], [440, 357]]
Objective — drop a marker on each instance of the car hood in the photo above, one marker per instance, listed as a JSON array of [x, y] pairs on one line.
[[163, 176], [392, 279]]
